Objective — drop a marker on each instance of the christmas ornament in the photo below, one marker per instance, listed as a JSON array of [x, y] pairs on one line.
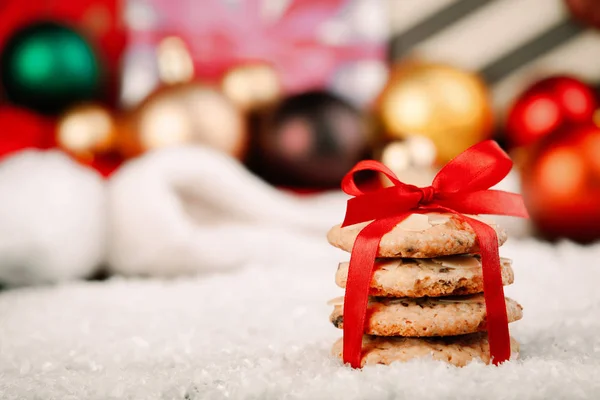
[[86, 130], [586, 11], [561, 183], [185, 113], [175, 64], [21, 129], [48, 67], [412, 160], [89, 133], [546, 106], [252, 86], [415, 151], [449, 106], [311, 140]]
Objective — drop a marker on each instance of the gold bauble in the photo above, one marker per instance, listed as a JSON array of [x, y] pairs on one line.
[[252, 86], [186, 113], [85, 131], [447, 105]]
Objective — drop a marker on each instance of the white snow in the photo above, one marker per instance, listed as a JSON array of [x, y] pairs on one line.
[[262, 332]]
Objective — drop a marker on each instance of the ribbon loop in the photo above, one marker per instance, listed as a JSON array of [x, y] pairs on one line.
[[461, 186], [478, 168]]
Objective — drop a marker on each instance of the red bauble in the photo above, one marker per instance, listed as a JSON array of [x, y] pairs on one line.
[[561, 184], [22, 129], [547, 105], [586, 11]]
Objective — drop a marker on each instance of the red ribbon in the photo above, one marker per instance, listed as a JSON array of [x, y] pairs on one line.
[[461, 186]]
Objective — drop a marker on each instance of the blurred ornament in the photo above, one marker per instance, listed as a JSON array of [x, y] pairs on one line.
[[252, 86], [186, 113], [415, 151], [586, 11], [561, 183], [412, 160], [547, 105], [146, 66], [312, 140], [86, 130], [21, 129], [175, 63], [447, 105], [48, 67], [89, 133]]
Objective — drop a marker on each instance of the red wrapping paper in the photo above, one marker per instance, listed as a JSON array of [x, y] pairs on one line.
[[460, 187]]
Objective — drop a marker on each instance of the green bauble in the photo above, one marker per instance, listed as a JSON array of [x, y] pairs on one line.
[[48, 67]]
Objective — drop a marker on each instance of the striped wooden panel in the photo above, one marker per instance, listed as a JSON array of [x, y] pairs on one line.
[[509, 42]]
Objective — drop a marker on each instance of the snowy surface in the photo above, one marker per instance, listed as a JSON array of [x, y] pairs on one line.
[[262, 332]]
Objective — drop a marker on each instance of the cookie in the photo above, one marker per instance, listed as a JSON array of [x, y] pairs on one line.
[[456, 350], [419, 236], [437, 316], [420, 277]]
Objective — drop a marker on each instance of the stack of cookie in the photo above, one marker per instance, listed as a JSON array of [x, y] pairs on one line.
[[426, 292]]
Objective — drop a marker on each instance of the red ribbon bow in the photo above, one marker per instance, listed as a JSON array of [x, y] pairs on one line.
[[461, 186]]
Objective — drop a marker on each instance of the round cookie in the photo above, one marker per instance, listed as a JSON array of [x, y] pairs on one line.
[[441, 316], [456, 350], [419, 236], [420, 277]]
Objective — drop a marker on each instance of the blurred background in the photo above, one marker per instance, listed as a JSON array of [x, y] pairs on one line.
[[298, 91]]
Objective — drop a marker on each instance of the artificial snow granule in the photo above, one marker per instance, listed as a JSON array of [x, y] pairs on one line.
[[261, 332]]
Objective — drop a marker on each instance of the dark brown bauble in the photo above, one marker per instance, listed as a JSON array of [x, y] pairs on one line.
[[311, 140], [561, 183]]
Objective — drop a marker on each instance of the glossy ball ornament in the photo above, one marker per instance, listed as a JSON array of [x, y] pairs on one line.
[[175, 63], [546, 106], [445, 104], [312, 140], [186, 113], [561, 183], [252, 86], [86, 131], [21, 129], [586, 11], [48, 67], [412, 160]]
